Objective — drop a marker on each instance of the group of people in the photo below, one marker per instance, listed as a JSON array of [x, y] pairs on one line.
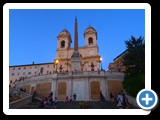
[[48, 102], [121, 100], [69, 100]]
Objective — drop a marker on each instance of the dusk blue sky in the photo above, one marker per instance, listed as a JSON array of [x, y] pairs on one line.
[[33, 33]]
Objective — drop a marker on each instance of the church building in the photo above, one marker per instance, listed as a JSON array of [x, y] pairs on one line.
[[74, 70], [88, 55]]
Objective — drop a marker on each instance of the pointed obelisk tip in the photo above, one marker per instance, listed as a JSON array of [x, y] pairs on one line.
[[76, 18]]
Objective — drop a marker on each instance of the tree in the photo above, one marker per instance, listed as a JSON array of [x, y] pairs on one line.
[[134, 61]]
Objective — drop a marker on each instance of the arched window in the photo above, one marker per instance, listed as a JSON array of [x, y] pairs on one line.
[[90, 40], [62, 44], [41, 71]]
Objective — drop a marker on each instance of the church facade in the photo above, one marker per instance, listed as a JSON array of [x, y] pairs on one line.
[[89, 55], [74, 70]]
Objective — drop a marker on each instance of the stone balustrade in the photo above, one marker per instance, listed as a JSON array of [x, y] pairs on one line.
[[75, 74], [106, 81]]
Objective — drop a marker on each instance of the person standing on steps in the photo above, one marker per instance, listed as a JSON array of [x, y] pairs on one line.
[[74, 96], [102, 98]]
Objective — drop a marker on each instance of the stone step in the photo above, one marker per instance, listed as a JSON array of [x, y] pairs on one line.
[[75, 105]]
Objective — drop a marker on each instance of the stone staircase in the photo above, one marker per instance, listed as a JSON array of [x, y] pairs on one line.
[[15, 94], [75, 105], [18, 98]]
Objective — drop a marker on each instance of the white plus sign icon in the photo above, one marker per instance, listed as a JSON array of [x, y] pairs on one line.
[[147, 99]]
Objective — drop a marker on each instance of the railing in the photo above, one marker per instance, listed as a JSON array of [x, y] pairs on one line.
[[108, 75], [90, 73]]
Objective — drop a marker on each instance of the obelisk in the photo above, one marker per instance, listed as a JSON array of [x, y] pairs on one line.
[[75, 59]]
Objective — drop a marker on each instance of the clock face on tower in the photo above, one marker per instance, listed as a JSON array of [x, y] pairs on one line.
[[91, 52], [61, 54]]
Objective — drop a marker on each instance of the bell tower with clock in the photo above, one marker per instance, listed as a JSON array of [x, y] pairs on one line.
[[64, 43], [64, 40], [63, 46], [90, 35]]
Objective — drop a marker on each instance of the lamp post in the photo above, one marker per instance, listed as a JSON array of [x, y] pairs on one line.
[[101, 63], [56, 64]]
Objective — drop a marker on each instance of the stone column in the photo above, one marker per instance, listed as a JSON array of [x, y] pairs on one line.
[[86, 89], [103, 87], [72, 86], [53, 88], [69, 87], [89, 88], [106, 84], [56, 87]]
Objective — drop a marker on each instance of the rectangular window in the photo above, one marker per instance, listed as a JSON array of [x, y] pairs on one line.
[[24, 68], [13, 68], [35, 67], [19, 68], [29, 73], [12, 74], [18, 74]]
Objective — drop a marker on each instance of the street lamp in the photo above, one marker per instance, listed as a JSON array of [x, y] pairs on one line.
[[101, 63], [56, 64]]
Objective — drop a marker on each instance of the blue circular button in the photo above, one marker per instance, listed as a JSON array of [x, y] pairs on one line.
[[147, 99]]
